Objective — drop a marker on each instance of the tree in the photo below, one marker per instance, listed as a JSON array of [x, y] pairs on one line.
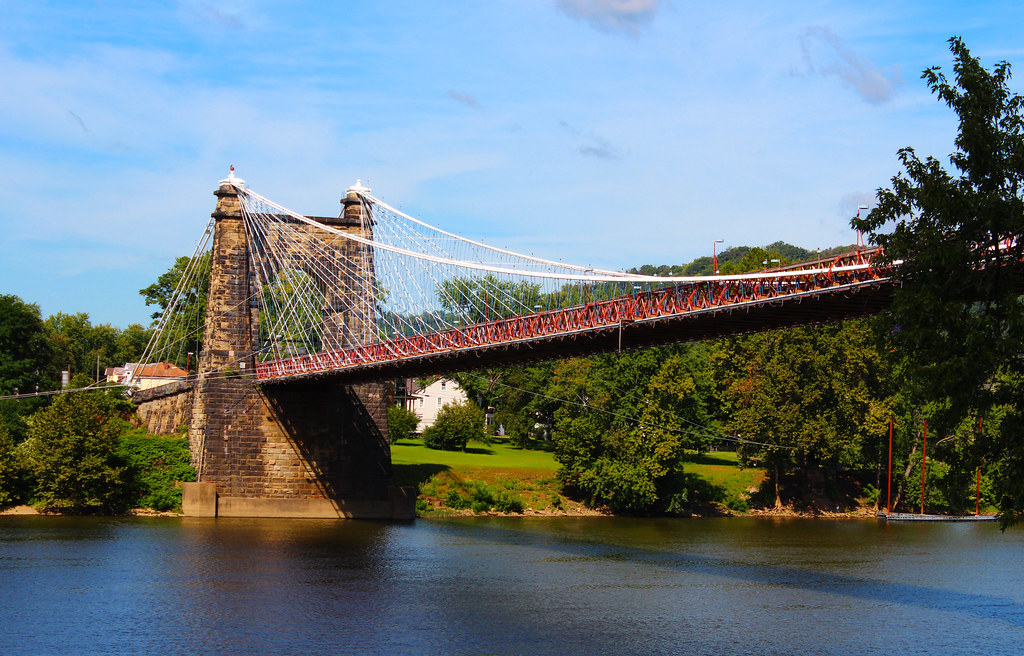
[[82, 347], [78, 345], [621, 439], [516, 394], [456, 424], [25, 361], [960, 237], [488, 298], [402, 422], [9, 470], [24, 351], [755, 259], [185, 286], [291, 320], [72, 453], [817, 395], [131, 343]]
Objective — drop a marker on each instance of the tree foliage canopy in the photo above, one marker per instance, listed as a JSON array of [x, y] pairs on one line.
[[621, 437], [26, 361], [488, 298], [189, 307], [402, 423], [819, 395], [960, 235], [24, 350], [82, 347], [456, 424], [72, 454]]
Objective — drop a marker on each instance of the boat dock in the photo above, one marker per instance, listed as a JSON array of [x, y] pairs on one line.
[[911, 517]]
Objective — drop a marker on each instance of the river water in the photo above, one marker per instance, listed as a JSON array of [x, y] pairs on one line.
[[508, 586]]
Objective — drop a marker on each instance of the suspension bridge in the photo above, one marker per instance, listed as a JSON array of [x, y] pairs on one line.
[[385, 295], [307, 319]]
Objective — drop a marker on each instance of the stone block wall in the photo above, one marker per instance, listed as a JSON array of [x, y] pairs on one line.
[[165, 414], [304, 441]]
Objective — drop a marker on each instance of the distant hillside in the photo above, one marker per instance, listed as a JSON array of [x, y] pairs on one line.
[[702, 265]]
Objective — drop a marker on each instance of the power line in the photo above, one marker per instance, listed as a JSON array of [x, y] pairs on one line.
[[95, 387]]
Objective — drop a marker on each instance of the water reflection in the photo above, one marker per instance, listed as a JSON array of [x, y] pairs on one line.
[[756, 558], [503, 586]]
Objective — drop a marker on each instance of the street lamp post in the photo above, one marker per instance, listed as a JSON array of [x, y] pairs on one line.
[[714, 256], [860, 238]]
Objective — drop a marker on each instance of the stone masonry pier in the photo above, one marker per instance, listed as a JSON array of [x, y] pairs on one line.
[[309, 449]]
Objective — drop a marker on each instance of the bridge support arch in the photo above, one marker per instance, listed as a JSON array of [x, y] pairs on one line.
[[301, 449]]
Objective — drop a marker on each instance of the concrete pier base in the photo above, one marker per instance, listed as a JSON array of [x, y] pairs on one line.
[[202, 500], [199, 499]]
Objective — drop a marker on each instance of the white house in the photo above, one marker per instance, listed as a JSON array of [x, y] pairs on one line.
[[147, 376], [426, 401]]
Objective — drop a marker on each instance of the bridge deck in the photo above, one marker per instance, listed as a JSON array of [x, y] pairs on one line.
[[685, 312]]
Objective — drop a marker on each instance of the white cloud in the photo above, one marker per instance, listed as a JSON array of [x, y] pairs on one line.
[[625, 16], [464, 99], [591, 144], [826, 55]]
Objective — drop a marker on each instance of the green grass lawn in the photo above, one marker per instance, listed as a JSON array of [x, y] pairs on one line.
[[495, 455], [502, 470]]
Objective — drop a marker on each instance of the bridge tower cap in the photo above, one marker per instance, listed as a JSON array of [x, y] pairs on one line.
[[358, 188], [232, 179]]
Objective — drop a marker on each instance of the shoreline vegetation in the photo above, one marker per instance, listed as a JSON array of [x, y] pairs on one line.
[[530, 475], [498, 479]]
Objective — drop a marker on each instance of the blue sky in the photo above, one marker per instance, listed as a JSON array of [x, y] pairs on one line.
[[613, 133]]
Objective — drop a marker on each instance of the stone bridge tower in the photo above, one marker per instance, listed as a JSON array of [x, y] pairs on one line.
[[299, 449]]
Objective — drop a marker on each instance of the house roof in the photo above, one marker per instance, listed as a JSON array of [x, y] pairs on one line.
[[160, 370]]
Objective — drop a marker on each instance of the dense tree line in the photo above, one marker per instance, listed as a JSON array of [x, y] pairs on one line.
[[34, 351], [77, 452], [811, 404], [959, 315]]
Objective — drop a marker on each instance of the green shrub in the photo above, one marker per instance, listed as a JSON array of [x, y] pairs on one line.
[[556, 502], [737, 504], [480, 507], [401, 423], [456, 424], [156, 463], [422, 506], [508, 503], [871, 494], [483, 493], [512, 484], [454, 500], [428, 488]]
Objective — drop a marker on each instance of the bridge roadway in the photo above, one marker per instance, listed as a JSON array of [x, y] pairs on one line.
[[806, 293]]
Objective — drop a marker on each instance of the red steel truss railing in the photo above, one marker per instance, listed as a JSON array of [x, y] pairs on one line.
[[676, 299]]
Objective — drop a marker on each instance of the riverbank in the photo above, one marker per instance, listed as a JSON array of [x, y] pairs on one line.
[[24, 510], [498, 479], [19, 510]]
